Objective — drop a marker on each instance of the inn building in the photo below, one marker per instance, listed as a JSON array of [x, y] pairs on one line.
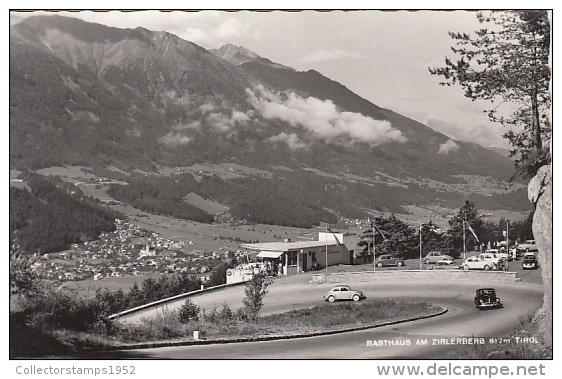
[[288, 257]]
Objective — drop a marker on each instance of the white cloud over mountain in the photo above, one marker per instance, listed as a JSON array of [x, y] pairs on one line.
[[448, 147], [291, 140], [321, 118]]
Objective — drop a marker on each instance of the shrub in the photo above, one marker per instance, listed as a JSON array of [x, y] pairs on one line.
[[189, 311], [226, 313], [256, 289]]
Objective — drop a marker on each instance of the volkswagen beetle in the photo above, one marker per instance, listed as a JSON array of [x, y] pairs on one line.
[[343, 292]]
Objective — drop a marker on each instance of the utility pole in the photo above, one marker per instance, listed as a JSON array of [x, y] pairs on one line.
[[507, 239], [373, 243], [326, 236], [464, 237], [421, 267]]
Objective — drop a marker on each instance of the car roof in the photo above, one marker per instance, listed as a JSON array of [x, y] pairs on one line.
[[486, 289]]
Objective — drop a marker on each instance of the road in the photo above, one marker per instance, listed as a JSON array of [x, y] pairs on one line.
[[521, 300]]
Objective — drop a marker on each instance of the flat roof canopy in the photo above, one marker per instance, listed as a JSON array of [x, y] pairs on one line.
[[286, 246], [270, 254]]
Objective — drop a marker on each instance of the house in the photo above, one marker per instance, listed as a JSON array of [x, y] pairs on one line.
[[287, 258]]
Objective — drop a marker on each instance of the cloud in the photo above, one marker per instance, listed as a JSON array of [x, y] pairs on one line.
[[172, 98], [223, 122], [219, 31], [448, 147], [174, 139], [292, 140], [322, 119], [330, 56], [241, 117], [207, 107], [471, 126], [190, 126]]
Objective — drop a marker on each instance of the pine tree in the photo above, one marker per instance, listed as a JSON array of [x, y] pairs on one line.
[[509, 63]]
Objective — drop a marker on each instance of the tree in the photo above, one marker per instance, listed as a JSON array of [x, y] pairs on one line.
[[509, 63], [459, 234], [432, 238], [255, 291], [23, 281], [189, 311], [392, 236], [522, 230], [218, 273]]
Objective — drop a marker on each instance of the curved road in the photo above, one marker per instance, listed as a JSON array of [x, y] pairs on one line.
[[521, 300]]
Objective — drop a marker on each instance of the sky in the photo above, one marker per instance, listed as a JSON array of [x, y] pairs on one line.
[[383, 56]]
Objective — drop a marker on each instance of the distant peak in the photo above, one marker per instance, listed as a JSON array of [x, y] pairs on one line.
[[235, 54], [238, 55]]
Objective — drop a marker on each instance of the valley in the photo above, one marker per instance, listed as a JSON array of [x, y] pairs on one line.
[[221, 147]]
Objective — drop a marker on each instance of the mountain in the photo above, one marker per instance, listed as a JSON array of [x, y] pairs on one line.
[[238, 55], [84, 94], [501, 151]]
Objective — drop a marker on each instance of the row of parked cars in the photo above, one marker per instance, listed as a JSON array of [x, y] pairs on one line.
[[492, 259]]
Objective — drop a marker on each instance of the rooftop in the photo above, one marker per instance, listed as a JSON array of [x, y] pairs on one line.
[[286, 246]]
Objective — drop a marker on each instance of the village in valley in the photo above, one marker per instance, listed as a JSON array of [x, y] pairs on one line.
[[129, 250]]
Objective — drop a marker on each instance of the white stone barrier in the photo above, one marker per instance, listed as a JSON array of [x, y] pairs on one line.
[[368, 276]]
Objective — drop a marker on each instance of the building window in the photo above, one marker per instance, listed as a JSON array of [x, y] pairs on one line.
[[292, 258]]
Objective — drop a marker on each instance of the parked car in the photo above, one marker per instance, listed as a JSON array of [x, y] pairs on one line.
[[493, 257], [389, 260], [445, 264], [530, 261], [436, 256], [344, 292], [500, 253], [527, 246], [478, 263], [487, 298]]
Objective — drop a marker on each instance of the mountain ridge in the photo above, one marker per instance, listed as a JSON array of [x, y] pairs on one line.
[[90, 95]]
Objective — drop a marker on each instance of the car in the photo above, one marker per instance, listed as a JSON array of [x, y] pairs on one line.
[[486, 298], [478, 263], [444, 264], [494, 257], [389, 260], [530, 261], [344, 292], [500, 253], [436, 256], [527, 246]]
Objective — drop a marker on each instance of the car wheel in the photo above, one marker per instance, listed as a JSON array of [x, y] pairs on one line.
[[399, 264], [465, 267], [426, 261], [379, 264], [527, 250], [331, 299], [486, 268], [356, 297]]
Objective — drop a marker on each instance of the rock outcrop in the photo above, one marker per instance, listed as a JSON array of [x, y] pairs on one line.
[[540, 194]]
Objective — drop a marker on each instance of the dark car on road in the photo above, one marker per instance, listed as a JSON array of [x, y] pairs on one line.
[[389, 260], [486, 298], [530, 261]]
